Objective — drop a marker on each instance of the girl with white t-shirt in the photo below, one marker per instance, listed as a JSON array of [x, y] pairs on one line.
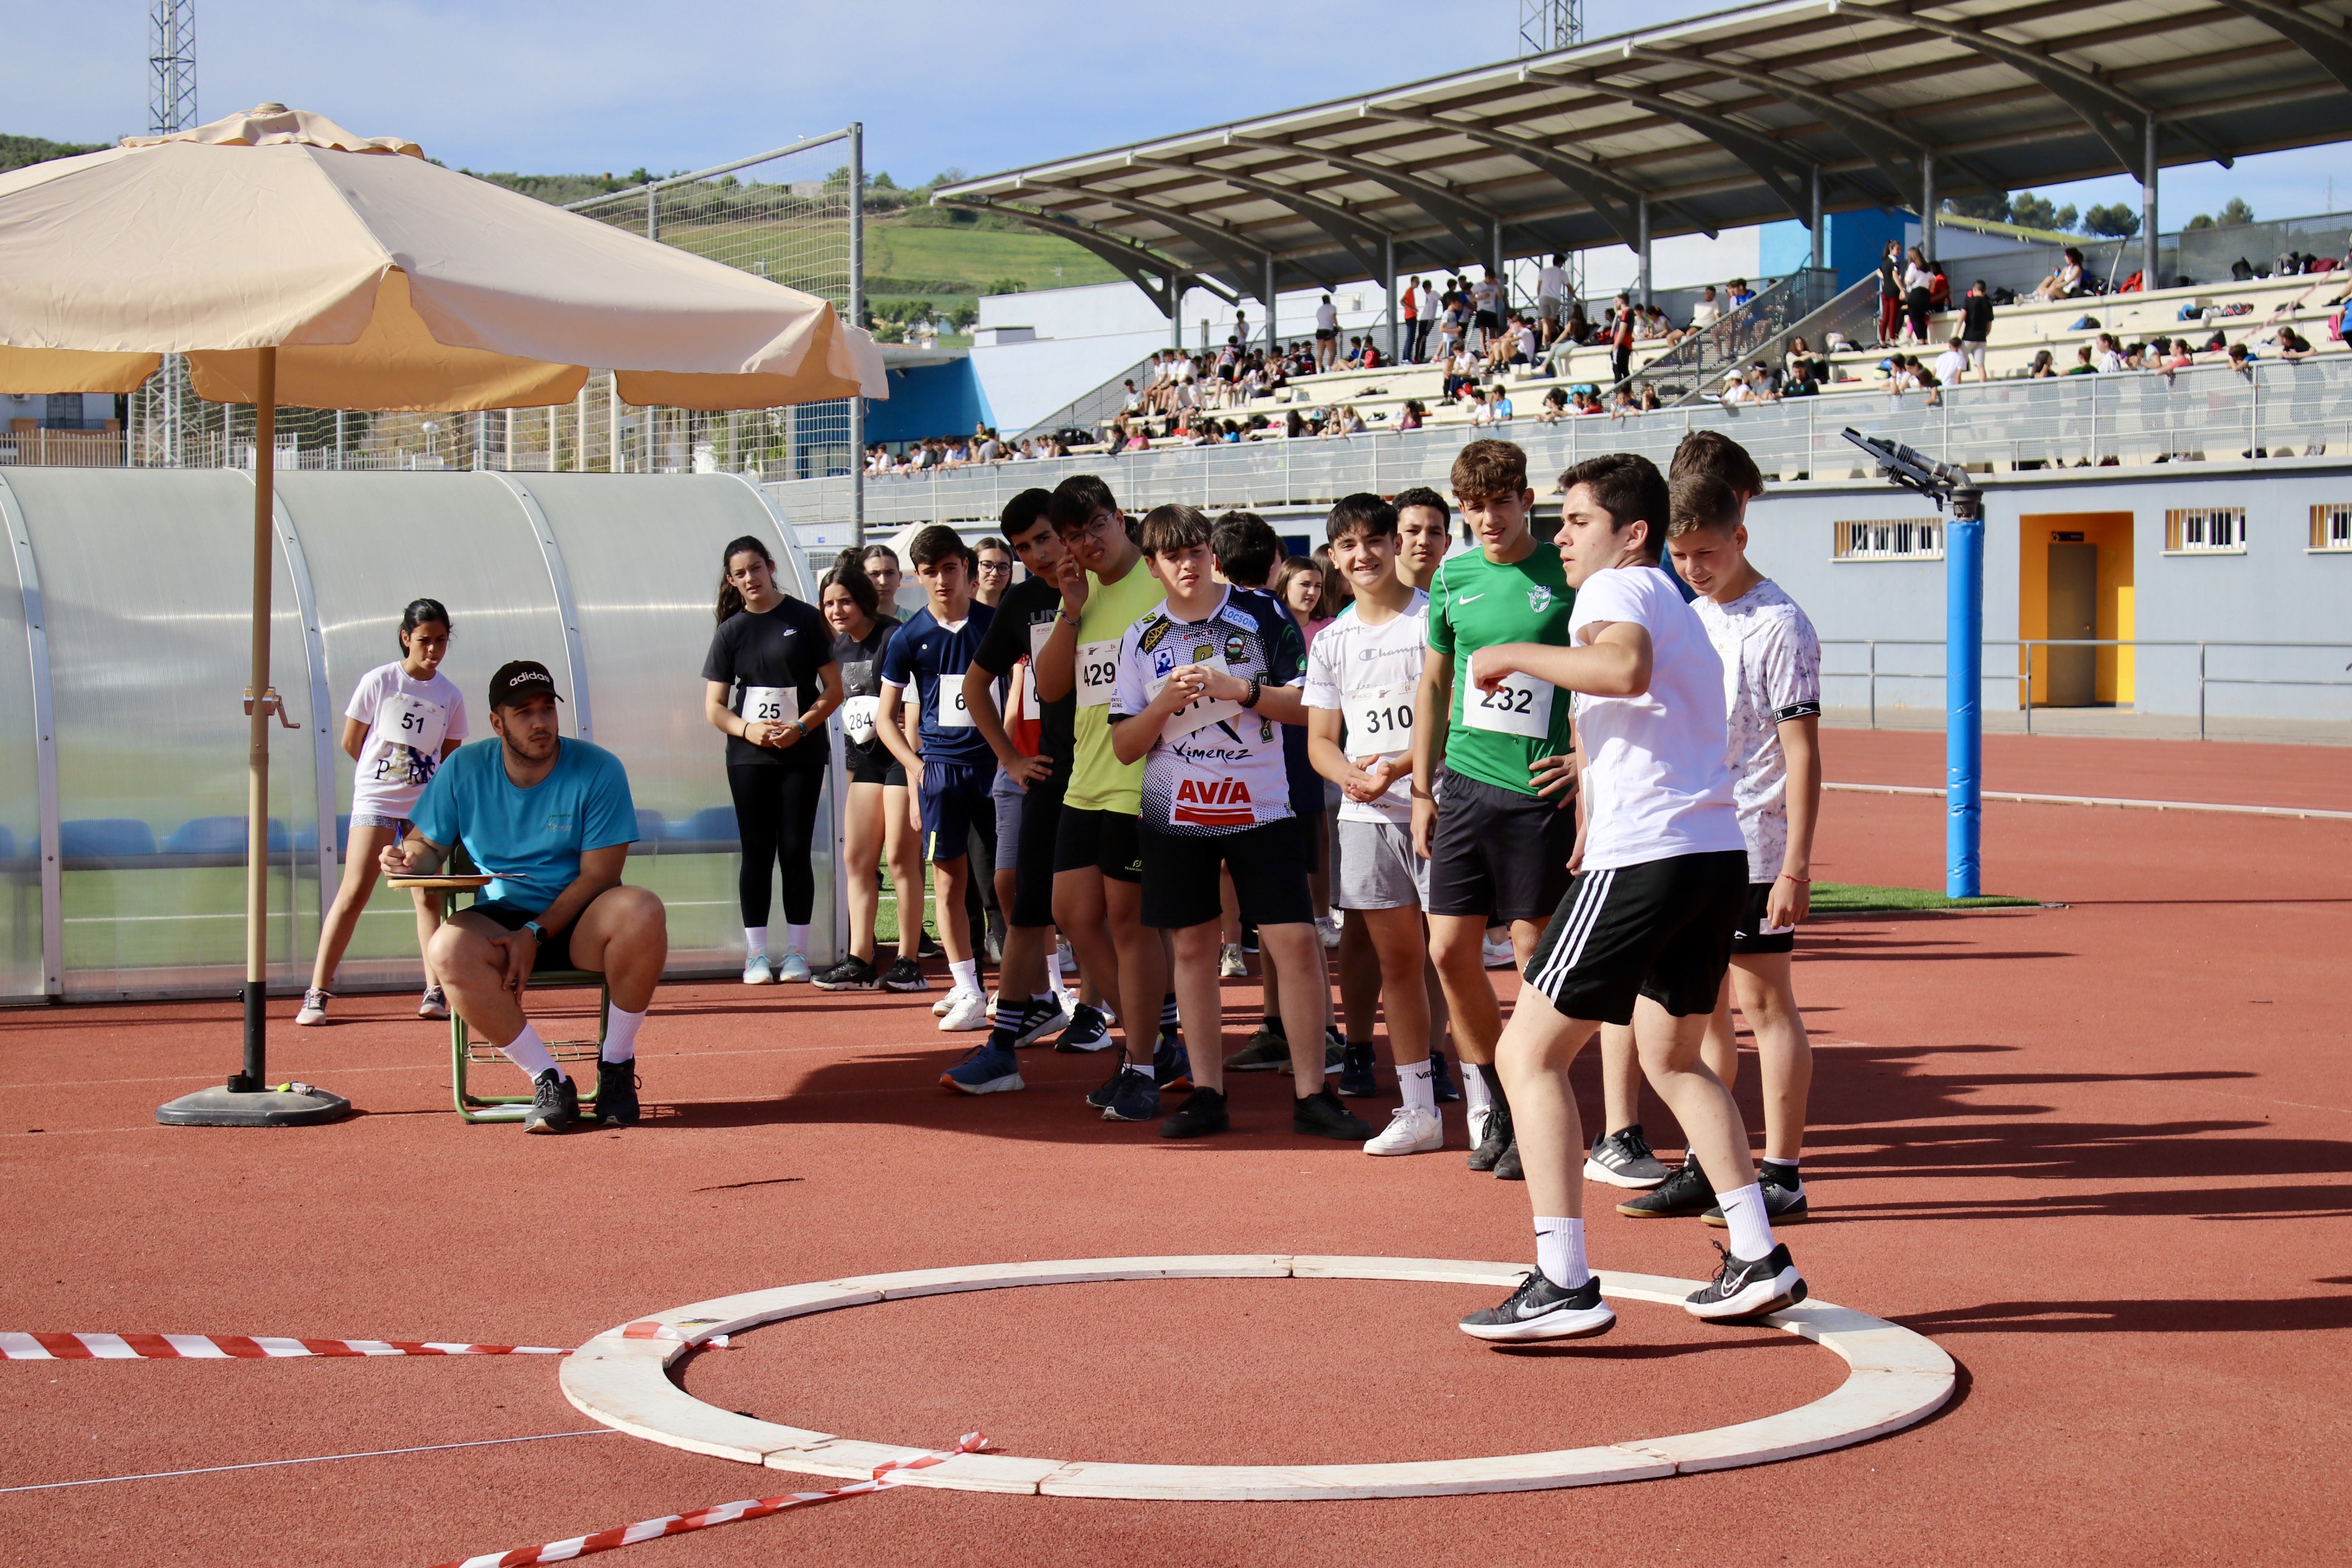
[[403, 718]]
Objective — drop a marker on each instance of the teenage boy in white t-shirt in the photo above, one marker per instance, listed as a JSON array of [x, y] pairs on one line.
[[1362, 674], [1645, 933]]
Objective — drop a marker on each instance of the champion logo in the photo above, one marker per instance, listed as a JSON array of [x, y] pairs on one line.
[[1220, 803]]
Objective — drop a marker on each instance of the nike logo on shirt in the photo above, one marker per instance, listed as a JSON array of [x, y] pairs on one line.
[[1467, 598]]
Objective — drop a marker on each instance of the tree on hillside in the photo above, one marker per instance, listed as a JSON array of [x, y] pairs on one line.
[[22, 151], [2235, 211], [2117, 222], [2030, 211], [1992, 206]]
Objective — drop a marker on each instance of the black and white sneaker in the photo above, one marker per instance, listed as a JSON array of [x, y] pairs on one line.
[[1685, 1192], [1782, 1205], [1747, 1290], [1497, 1140], [1540, 1310], [1203, 1112], [1357, 1078], [1623, 1159], [616, 1094], [852, 973], [1088, 1032], [1321, 1115], [554, 1103], [1038, 1019], [904, 975]]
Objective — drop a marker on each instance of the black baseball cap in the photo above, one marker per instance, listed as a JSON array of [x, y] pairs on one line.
[[519, 680]]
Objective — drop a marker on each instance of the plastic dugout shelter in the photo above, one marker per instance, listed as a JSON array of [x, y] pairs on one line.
[[139, 583]]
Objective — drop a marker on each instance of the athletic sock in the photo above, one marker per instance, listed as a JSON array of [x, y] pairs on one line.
[[621, 1033], [1054, 967], [755, 941], [1420, 1092], [1009, 1011], [965, 973], [529, 1052], [796, 939], [1750, 1226], [1475, 1094], [1782, 1174], [1559, 1251], [1142, 1070], [1273, 1025], [1168, 1023], [1494, 1082]]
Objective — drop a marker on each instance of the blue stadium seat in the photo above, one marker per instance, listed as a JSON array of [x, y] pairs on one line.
[[711, 822], [649, 828], [7, 845], [221, 836], [306, 836], [104, 836]]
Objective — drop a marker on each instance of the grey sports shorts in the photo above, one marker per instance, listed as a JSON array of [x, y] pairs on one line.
[[1377, 870]]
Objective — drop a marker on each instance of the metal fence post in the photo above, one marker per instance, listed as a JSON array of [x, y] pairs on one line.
[[858, 319], [1873, 683], [2200, 690], [2029, 685]]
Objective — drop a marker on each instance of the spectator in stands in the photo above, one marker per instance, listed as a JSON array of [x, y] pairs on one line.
[[1801, 383], [1976, 327], [2241, 360], [1411, 415], [1554, 406], [1372, 359], [1551, 293], [1939, 288], [1579, 330], [1326, 334], [1620, 340], [2291, 345], [1486, 305], [1918, 288], [1801, 353], [1408, 317], [2065, 280], [2043, 368], [1707, 311], [1426, 308], [1498, 405], [1586, 401], [1953, 363], [1650, 403], [1738, 296], [1890, 292], [2108, 354], [1736, 390], [1624, 405], [2083, 363]]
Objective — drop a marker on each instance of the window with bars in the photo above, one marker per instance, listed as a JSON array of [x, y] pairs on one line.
[[2205, 529], [2331, 526], [1891, 538]]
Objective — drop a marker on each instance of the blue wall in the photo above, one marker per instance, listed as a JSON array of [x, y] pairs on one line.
[[929, 400], [1852, 244]]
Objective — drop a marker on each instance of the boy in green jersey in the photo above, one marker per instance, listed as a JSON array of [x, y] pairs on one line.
[[1493, 777]]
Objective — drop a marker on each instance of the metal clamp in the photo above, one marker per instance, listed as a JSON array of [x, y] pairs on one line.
[[270, 703]]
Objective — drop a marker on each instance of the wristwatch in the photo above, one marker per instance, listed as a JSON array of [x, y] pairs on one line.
[[538, 931]]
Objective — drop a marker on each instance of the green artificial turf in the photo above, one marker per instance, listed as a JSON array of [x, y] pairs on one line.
[[1856, 898]]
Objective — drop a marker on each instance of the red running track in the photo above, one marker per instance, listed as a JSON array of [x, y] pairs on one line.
[[2097, 1152]]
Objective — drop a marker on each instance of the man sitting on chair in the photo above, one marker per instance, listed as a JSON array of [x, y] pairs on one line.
[[552, 821]]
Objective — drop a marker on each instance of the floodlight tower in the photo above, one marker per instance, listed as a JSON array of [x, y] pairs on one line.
[[1544, 25], [171, 59]]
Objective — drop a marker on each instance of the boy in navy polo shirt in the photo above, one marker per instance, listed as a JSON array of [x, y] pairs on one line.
[[955, 765]]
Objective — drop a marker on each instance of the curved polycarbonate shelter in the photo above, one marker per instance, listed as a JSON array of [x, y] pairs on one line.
[[124, 630]]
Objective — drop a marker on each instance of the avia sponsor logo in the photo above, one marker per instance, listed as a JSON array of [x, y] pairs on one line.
[[1213, 803]]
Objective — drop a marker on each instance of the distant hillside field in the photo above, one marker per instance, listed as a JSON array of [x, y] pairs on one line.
[[19, 151], [978, 258]]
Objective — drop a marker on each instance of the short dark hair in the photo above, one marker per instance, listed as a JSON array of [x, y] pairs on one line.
[[1712, 452], [1629, 489], [1174, 526], [1375, 517], [1488, 468], [936, 543], [1247, 548], [1076, 498], [1022, 512], [1700, 500], [1421, 495]]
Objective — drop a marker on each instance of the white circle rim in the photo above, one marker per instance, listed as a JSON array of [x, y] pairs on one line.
[[1895, 1377]]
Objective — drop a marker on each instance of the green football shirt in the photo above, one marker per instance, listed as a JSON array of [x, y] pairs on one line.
[[1495, 736]]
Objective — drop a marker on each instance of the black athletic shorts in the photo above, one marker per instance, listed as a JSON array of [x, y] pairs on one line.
[[1182, 887], [1661, 930], [1751, 936], [1314, 837], [1097, 840], [1497, 852], [1032, 865], [875, 765], [553, 954]]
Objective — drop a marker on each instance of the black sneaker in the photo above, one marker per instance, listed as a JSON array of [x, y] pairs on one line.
[[904, 975], [927, 946], [616, 1094], [1268, 1051], [1782, 1205], [1172, 1066], [1507, 1168], [1037, 1020], [1203, 1112], [554, 1103], [1747, 1290], [1540, 1310], [1685, 1192], [1249, 939], [1321, 1115], [1441, 1081], [1088, 1032], [852, 973], [1623, 1159], [1107, 1090], [1357, 1080], [1134, 1098], [1497, 1141]]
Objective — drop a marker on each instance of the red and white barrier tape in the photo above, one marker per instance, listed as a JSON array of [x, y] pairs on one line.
[[263, 1347], [704, 1518]]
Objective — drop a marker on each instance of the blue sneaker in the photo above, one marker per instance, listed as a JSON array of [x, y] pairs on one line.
[[1088, 1031], [1133, 1099], [986, 1068], [1172, 1066], [1107, 1090]]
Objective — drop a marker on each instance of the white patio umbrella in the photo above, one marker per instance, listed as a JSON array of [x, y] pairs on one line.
[[295, 263]]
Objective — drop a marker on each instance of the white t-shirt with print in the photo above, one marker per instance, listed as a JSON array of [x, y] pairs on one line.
[[407, 721], [1771, 673], [1370, 674], [1327, 318], [1552, 283], [1655, 783]]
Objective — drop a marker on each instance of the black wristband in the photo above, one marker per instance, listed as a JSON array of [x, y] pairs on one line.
[[1251, 700]]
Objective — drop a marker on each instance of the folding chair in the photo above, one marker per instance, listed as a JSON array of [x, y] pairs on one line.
[[466, 1052]]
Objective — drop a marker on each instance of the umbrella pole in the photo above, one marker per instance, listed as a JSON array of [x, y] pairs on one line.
[[247, 1100]]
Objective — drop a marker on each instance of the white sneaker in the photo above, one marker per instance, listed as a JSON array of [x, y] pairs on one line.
[[757, 971], [1410, 1130], [1230, 965], [965, 1012], [1478, 1118], [314, 1006], [1330, 926], [1067, 955], [1498, 950], [939, 1008], [793, 969]]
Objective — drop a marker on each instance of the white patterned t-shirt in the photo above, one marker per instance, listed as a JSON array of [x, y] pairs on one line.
[[1771, 673]]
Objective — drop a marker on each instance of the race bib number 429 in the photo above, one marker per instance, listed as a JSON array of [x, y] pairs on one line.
[[1098, 672]]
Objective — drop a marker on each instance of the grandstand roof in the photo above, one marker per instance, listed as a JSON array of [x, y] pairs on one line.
[[1717, 121]]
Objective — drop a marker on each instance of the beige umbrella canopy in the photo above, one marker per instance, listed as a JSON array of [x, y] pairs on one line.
[[293, 262]]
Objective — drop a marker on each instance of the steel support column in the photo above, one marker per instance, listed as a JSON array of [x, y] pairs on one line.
[[1388, 290], [1642, 250], [1272, 341], [1820, 242], [2148, 258], [1927, 205], [858, 319], [44, 756]]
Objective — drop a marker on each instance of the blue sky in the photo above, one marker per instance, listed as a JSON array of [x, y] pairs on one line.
[[592, 86]]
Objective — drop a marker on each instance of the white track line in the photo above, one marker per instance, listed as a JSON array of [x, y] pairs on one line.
[[2308, 812], [312, 1459]]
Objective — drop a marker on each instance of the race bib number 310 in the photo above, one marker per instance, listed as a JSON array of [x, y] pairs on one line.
[[1521, 706], [1379, 721]]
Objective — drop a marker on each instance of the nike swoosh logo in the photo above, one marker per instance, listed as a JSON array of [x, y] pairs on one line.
[[1532, 1310], [1468, 598]]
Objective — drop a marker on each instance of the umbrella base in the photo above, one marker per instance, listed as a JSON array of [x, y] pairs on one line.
[[300, 1105]]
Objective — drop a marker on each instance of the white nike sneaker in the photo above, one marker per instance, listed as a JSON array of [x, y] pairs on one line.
[[757, 971], [939, 1008], [1410, 1130], [1478, 1119], [1229, 963], [793, 969], [1497, 948], [965, 1012], [314, 1006]]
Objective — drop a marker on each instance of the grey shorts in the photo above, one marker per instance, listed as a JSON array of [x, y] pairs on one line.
[[1375, 868], [399, 824], [1009, 799]]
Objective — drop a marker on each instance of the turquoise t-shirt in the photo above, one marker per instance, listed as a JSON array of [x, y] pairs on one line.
[[530, 839]]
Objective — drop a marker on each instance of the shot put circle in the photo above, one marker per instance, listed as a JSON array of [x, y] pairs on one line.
[[1894, 1377]]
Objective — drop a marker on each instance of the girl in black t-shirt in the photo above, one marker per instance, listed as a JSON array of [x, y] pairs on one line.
[[877, 821], [770, 682]]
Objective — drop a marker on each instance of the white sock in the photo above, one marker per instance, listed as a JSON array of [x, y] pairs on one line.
[[1420, 1093], [966, 972], [1751, 1228], [621, 1033], [1475, 1095], [1142, 1067], [1559, 1251], [796, 939], [1054, 966], [529, 1052], [755, 941]]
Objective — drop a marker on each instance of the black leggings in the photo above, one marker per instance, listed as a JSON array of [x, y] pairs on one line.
[[775, 815]]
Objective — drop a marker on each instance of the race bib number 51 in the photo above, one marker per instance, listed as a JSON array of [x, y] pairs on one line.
[[1521, 706]]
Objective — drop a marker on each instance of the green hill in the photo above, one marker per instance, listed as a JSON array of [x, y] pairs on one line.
[[16, 152]]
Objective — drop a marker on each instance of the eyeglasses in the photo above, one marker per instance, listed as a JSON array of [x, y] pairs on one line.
[[996, 565]]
